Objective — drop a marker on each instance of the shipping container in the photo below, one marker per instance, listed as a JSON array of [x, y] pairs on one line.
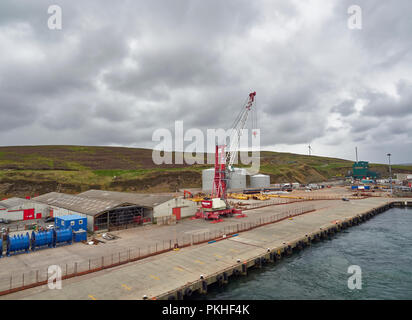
[[73, 221]]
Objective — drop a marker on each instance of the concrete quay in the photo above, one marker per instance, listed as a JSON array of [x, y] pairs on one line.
[[176, 274]]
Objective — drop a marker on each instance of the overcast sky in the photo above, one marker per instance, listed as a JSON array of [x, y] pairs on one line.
[[118, 71]]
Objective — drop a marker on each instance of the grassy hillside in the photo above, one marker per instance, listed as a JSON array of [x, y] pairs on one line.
[[39, 169]]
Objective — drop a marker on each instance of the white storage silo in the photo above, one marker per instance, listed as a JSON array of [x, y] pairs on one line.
[[259, 181], [207, 179], [237, 179]]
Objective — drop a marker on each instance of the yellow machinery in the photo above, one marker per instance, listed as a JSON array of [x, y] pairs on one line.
[[238, 196]]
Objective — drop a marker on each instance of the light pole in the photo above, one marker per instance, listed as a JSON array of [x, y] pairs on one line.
[[390, 171]]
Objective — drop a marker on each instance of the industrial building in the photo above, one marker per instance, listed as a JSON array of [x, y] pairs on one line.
[[156, 205], [17, 209], [404, 177], [110, 210], [360, 170]]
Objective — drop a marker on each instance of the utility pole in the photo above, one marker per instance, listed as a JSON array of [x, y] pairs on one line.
[[356, 151], [390, 171], [310, 149]]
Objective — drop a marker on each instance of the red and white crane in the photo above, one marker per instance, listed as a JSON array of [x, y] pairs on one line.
[[217, 206]]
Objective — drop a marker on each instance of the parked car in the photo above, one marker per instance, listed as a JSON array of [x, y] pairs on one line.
[[49, 219], [5, 221]]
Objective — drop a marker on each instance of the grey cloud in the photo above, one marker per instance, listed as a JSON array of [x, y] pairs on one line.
[[345, 108], [381, 104], [197, 61]]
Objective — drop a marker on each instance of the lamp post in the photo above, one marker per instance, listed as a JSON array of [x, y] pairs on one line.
[[390, 171]]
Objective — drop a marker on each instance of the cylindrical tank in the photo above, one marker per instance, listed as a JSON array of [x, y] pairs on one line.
[[63, 235], [18, 243], [207, 179], [42, 238], [237, 179], [259, 181]]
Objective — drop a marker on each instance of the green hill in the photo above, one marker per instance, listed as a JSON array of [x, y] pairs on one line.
[[31, 170]]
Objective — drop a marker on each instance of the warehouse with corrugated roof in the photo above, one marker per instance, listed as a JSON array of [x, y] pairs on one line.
[[155, 205], [110, 210]]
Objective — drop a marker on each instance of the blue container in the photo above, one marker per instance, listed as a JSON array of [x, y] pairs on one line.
[[41, 239], [367, 187], [63, 236], [354, 187], [17, 244], [73, 221], [79, 236]]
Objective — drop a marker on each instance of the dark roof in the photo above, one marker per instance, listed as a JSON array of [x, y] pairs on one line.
[[12, 202], [78, 204], [140, 199]]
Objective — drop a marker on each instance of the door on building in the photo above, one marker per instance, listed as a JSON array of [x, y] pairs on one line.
[[51, 213], [28, 214], [177, 212]]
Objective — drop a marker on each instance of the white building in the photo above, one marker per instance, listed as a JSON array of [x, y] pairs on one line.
[[17, 209]]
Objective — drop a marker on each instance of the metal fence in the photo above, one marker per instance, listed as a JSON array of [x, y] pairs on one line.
[[32, 278], [13, 227]]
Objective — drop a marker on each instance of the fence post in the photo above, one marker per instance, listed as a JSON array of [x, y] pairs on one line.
[[89, 264], [11, 280], [23, 280], [75, 268], [37, 275]]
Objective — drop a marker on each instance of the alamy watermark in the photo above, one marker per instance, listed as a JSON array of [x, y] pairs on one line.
[[194, 152], [355, 18], [55, 20], [54, 279], [355, 280]]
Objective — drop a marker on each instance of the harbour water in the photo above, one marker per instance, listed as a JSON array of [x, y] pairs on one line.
[[381, 247]]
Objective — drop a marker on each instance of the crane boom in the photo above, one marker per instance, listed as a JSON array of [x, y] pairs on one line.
[[224, 160], [237, 130]]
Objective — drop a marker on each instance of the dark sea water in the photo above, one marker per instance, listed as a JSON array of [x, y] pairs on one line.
[[381, 246]]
